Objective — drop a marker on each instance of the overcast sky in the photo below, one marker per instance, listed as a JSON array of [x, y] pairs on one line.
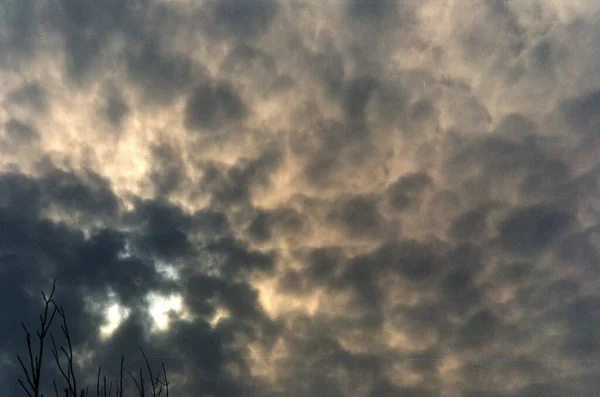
[[305, 198]]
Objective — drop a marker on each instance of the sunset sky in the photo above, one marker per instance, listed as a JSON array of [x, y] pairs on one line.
[[294, 198]]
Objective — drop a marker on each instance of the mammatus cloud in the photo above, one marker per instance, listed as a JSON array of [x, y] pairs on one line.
[[285, 198]]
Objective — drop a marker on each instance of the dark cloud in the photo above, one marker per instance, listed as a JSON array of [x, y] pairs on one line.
[[169, 172], [244, 19], [421, 110], [358, 216], [18, 133], [542, 57], [352, 143], [330, 67], [414, 261], [542, 389], [407, 190], [116, 108], [233, 185], [479, 330], [86, 31], [237, 257], [387, 389], [471, 226], [91, 194], [348, 199], [532, 229], [31, 94], [373, 11], [321, 264], [162, 77], [581, 112], [275, 224], [22, 31], [213, 106], [517, 127], [165, 229], [459, 291], [357, 95], [583, 320]]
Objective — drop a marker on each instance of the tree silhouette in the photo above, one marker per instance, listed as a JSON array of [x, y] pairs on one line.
[[71, 390]]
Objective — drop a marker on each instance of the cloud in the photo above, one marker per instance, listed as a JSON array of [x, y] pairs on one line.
[[211, 106], [289, 198]]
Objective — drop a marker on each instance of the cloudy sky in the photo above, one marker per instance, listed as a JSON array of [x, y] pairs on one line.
[[303, 198]]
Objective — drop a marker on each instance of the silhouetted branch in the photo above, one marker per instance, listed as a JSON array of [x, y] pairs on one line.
[[36, 365], [33, 379]]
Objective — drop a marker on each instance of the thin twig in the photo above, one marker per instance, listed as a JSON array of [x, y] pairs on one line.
[[150, 372], [136, 384]]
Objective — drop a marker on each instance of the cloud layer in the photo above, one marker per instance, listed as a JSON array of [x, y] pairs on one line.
[[290, 198]]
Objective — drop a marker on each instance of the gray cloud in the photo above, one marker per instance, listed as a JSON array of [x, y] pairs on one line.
[[212, 106], [337, 199]]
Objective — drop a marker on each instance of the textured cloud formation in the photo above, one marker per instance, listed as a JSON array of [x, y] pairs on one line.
[[290, 198]]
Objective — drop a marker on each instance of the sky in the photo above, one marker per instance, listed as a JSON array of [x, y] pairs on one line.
[[306, 199]]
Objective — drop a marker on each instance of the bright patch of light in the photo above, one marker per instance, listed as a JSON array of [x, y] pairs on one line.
[[168, 271], [164, 308], [115, 315], [220, 313], [125, 252]]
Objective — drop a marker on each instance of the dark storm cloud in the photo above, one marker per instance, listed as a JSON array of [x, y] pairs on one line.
[[357, 95], [579, 250], [239, 258], [407, 190], [543, 57], [421, 110], [358, 216], [515, 126], [459, 291], [274, 224], [471, 225], [581, 114], [87, 29], [511, 196], [414, 261], [161, 76], [244, 19], [360, 275], [40, 247], [116, 108], [22, 29], [386, 389], [24, 233], [351, 141], [329, 66], [212, 106], [90, 194], [20, 195], [534, 228], [583, 321], [505, 165], [479, 330], [169, 173], [232, 185], [321, 264], [166, 228], [85, 267], [370, 10]]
